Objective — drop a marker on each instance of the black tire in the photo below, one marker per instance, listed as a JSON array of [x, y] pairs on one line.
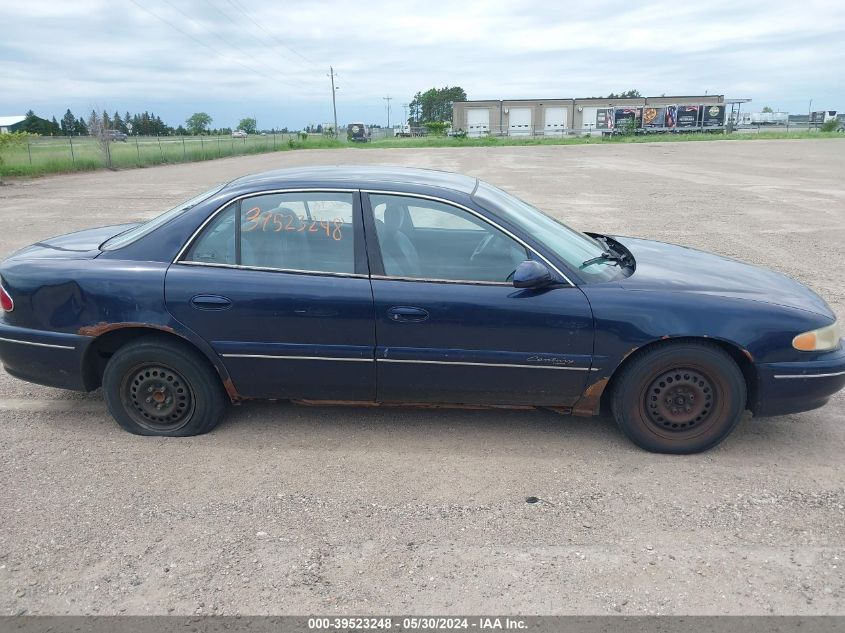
[[158, 387], [679, 397]]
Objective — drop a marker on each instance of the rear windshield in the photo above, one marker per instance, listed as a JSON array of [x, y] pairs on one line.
[[137, 232]]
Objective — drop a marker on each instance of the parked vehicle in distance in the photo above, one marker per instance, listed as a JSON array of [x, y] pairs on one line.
[[402, 131], [239, 134], [116, 135], [358, 133], [764, 118], [461, 293]]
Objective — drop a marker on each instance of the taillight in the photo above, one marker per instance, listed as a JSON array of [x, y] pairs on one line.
[[6, 302]]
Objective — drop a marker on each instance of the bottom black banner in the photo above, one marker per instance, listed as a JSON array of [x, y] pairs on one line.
[[433, 624]]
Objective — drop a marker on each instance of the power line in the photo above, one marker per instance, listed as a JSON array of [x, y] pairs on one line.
[[201, 43], [228, 17], [234, 46], [238, 6]]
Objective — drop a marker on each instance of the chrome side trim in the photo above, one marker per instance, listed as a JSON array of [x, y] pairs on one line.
[[274, 270], [443, 281], [14, 340], [214, 213], [476, 214], [838, 373], [280, 357], [448, 362]]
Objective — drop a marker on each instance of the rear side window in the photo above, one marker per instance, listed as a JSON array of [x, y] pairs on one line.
[[216, 245], [310, 231]]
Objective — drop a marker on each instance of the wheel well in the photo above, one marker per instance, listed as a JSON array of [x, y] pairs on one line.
[[740, 356], [105, 346]]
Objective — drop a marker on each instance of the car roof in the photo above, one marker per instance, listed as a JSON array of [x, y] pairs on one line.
[[363, 176]]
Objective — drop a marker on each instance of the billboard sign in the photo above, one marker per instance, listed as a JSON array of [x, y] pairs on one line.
[[687, 116], [712, 116], [654, 117], [604, 119], [621, 116], [670, 116]]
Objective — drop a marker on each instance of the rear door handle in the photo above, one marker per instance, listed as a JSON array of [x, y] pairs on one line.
[[407, 314], [211, 302]]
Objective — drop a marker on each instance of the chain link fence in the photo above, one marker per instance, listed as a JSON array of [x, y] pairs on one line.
[[40, 154]]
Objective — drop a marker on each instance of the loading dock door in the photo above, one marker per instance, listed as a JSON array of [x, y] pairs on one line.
[[478, 121], [519, 122], [555, 121]]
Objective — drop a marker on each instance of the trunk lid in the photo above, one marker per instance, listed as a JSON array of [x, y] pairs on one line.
[[79, 245]]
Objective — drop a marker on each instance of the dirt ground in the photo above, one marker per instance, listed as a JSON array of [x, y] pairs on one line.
[[294, 510]]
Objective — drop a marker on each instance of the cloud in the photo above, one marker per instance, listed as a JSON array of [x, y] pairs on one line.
[[232, 58]]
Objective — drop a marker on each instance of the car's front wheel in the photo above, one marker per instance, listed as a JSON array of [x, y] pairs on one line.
[[153, 387], [679, 397]]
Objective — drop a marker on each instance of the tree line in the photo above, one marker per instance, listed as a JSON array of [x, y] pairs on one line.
[[139, 124]]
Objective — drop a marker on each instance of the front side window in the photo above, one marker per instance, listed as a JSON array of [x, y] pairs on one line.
[[581, 252], [425, 239], [311, 231]]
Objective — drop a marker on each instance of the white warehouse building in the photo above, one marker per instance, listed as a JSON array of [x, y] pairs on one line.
[[556, 117]]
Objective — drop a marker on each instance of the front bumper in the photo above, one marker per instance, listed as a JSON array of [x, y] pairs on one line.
[[54, 359], [799, 386]]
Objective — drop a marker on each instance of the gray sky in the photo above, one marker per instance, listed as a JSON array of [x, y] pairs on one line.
[[238, 58]]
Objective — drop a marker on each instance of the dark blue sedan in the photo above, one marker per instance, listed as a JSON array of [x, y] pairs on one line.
[[387, 285]]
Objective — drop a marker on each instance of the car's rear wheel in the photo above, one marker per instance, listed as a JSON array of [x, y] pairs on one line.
[[153, 387], [679, 397]]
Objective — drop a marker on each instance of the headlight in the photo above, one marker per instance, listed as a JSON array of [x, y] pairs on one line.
[[823, 339]]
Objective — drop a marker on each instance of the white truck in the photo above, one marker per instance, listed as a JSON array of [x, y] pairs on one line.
[[764, 118]]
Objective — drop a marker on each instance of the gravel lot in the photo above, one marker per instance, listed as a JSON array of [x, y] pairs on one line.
[[291, 510]]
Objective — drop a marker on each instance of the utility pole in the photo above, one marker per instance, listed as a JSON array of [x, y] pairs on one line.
[[388, 98], [809, 114], [405, 110], [334, 102]]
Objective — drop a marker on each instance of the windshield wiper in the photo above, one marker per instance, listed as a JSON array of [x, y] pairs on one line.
[[606, 256]]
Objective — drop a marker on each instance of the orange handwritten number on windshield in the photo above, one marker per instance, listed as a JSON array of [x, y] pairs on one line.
[[267, 217], [251, 219]]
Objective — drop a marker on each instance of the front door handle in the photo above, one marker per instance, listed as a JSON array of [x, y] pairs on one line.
[[211, 302], [407, 314]]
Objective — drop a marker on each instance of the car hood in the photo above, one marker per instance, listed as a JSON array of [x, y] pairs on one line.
[[80, 244], [669, 267]]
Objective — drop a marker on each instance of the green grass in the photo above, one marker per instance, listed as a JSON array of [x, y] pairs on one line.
[[46, 155], [494, 141]]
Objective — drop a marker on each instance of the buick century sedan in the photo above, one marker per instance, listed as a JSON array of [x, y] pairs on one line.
[[406, 286]]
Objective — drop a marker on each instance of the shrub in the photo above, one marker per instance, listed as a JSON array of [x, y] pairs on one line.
[[830, 125], [11, 140], [436, 128], [629, 128]]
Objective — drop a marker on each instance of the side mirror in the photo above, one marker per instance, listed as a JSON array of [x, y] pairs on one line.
[[531, 274]]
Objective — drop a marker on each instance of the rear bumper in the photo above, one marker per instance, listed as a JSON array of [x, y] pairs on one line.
[[47, 358], [792, 387]]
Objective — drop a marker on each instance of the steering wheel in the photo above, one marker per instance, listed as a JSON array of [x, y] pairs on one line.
[[482, 246]]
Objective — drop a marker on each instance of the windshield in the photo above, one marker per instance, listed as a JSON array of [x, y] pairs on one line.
[[571, 246], [137, 232]]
